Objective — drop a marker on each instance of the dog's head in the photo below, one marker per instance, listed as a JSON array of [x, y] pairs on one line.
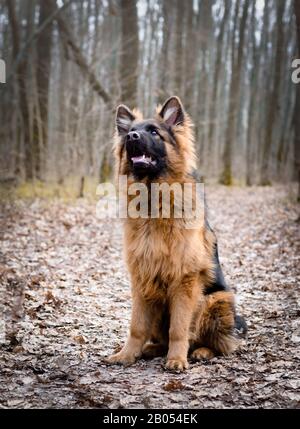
[[155, 148]]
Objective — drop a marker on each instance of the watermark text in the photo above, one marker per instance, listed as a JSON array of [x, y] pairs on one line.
[[184, 201], [296, 72]]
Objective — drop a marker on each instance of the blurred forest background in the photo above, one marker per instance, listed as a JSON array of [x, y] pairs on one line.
[[63, 283], [69, 63]]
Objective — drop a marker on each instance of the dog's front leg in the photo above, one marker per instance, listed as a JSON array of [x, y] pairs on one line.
[[139, 332], [183, 301]]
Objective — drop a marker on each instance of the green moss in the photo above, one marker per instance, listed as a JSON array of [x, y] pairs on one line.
[[266, 182], [67, 191], [106, 170], [226, 177]]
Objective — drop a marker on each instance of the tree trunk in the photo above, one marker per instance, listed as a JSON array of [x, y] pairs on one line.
[[178, 81], [234, 94], [273, 108], [129, 52], [287, 91], [217, 72], [252, 95], [165, 57], [205, 24], [190, 55], [44, 44], [22, 90]]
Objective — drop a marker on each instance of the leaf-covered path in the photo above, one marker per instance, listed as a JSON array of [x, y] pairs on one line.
[[65, 301]]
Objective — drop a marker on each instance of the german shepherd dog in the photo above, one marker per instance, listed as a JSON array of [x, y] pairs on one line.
[[181, 304]]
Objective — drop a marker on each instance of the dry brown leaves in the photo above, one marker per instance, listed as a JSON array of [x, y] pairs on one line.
[[65, 301]]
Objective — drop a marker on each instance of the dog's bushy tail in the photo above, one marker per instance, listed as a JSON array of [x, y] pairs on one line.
[[241, 327]]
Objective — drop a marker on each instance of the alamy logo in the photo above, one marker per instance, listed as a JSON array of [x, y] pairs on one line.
[[2, 71]]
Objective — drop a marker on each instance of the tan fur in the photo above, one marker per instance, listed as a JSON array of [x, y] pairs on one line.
[[169, 266]]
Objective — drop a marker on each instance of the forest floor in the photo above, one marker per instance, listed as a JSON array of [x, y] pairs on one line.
[[65, 296]]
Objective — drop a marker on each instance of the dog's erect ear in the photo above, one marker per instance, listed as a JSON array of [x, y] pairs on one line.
[[172, 112], [124, 119]]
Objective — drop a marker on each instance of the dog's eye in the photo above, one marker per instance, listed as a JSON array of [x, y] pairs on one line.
[[154, 132]]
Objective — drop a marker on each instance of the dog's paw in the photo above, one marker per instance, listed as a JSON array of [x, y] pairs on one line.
[[179, 364], [202, 353], [121, 358]]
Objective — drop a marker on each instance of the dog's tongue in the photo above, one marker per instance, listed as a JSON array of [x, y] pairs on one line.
[[142, 158]]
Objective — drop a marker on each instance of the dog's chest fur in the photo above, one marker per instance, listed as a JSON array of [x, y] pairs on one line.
[[160, 252]]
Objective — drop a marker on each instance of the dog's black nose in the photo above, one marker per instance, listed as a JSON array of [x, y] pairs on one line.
[[133, 135]]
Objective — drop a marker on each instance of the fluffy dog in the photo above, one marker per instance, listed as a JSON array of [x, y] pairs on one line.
[[180, 302]]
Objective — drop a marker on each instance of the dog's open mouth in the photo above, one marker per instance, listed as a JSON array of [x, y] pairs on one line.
[[144, 160]]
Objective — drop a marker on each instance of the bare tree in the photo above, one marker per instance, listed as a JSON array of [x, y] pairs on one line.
[[178, 66], [217, 73], [274, 106], [234, 93], [190, 52], [43, 69], [164, 74], [22, 89], [253, 98], [129, 52]]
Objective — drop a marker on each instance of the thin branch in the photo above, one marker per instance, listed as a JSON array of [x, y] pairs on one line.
[[80, 60], [34, 36]]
